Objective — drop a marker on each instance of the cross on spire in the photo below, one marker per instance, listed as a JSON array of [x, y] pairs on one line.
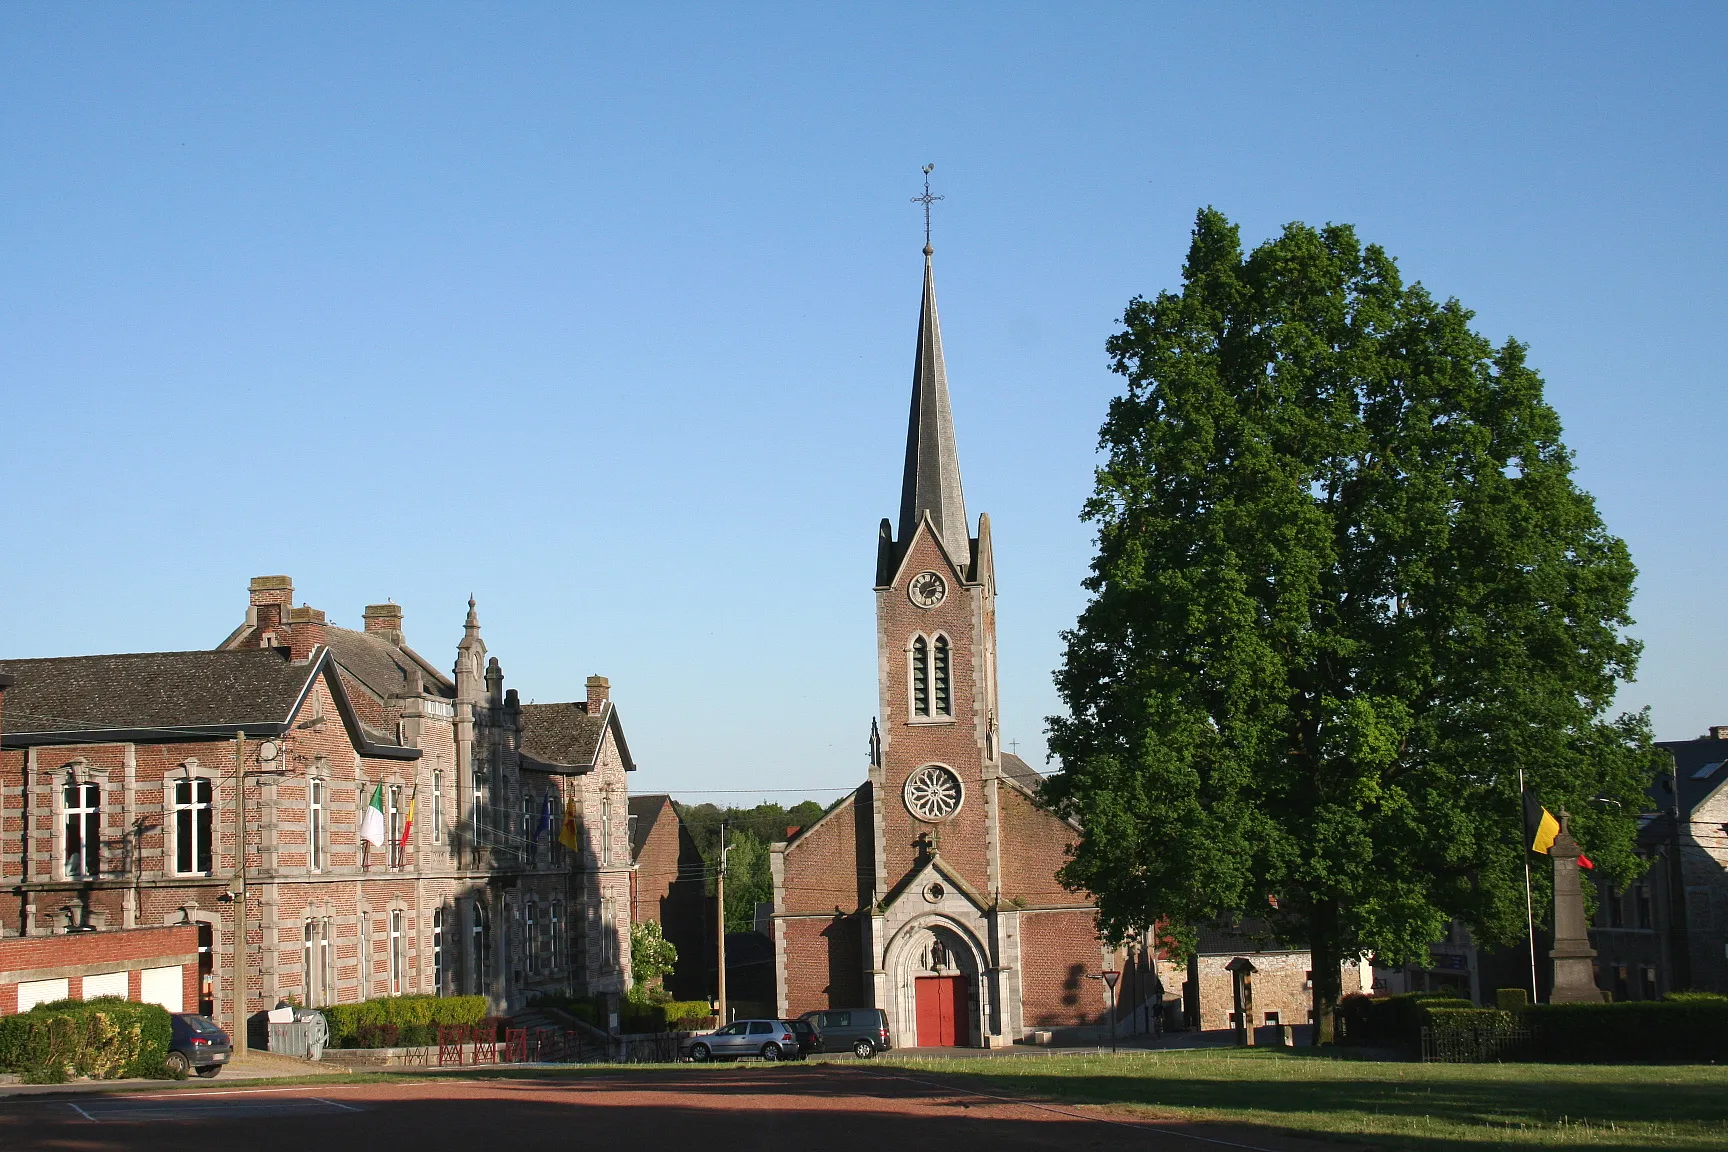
[[927, 200]]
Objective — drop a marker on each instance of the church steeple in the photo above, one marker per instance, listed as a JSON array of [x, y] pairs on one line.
[[932, 480]]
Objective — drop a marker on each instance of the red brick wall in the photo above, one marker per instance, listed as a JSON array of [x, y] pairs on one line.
[[135, 949], [1034, 845], [827, 881], [956, 744], [1057, 951]]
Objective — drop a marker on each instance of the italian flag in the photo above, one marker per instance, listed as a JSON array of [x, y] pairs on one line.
[[372, 823]]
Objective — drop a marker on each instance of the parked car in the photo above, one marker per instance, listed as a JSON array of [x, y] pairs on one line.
[[808, 1040], [769, 1039], [196, 1045], [861, 1031]]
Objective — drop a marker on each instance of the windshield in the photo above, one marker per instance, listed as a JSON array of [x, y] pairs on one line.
[[201, 1024]]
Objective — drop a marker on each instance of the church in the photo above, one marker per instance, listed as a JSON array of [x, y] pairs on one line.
[[931, 891]]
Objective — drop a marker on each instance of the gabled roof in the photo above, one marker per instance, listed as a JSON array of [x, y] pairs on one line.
[[645, 812], [162, 696], [567, 738], [1021, 772], [1701, 767], [386, 668]]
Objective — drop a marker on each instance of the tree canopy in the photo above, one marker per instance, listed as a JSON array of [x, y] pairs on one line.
[[749, 831], [1345, 589]]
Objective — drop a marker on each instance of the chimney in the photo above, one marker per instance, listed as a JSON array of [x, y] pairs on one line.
[[385, 622], [599, 691], [305, 632], [271, 633], [1719, 731], [277, 590]]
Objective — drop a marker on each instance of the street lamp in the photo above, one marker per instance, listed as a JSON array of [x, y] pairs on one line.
[[1110, 976]]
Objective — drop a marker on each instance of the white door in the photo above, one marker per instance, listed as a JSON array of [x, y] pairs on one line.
[[34, 992], [163, 986], [107, 984]]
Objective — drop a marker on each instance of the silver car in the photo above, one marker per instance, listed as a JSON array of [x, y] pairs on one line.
[[769, 1039]]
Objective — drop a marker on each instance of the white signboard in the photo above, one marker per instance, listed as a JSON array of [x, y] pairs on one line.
[[163, 986]]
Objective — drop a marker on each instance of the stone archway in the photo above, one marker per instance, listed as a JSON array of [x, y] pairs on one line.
[[935, 964]]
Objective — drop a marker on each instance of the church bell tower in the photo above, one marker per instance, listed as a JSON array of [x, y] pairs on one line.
[[936, 767]]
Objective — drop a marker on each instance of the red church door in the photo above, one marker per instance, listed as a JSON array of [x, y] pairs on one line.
[[942, 1011]]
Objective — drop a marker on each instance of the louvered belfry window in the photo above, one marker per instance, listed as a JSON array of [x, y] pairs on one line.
[[944, 705], [920, 676]]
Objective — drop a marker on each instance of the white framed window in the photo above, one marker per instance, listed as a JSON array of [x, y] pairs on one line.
[[531, 937], [438, 952], [398, 951], [327, 953], [309, 970], [393, 824], [437, 806], [365, 955], [81, 830], [192, 826], [317, 824], [480, 950], [606, 831]]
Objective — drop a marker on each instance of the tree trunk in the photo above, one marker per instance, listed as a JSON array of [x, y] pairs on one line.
[[1324, 958]]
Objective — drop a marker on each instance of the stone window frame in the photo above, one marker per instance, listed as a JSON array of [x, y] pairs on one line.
[[318, 816], [395, 852], [555, 926], [78, 773], [531, 935], [189, 770], [396, 947], [437, 973], [935, 664], [479, 945], [437, 805]]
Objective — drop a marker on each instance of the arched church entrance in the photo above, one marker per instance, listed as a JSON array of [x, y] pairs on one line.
[[938, 997]]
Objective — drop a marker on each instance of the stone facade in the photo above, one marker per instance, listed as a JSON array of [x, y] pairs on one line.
[[136, 821]]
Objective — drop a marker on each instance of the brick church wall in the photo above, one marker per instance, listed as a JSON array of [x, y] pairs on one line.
[[826, 882], [1058, 950]]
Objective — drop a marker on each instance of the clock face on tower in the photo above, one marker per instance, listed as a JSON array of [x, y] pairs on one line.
[[927, 590]]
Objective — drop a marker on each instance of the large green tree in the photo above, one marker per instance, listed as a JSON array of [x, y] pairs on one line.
[[1345, 589]]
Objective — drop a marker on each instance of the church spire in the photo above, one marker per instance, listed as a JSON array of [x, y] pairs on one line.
[[932, 479]]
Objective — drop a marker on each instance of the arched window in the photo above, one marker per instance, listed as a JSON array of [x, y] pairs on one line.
[[920, 676], [942, 697]]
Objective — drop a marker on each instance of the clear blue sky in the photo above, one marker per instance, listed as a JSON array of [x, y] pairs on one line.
[[606, 315]]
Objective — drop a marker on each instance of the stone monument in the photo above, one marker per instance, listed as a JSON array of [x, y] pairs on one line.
[[1574, 959]]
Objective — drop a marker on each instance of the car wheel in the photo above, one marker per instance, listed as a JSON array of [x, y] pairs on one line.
[[863, 1049], [700, 1053], [177, 1064], [770, 1052], [210, 1070]]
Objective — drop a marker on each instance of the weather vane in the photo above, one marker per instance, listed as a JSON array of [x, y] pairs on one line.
[[927, 200]]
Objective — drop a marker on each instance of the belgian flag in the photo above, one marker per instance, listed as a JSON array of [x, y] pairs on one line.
[[1540, 827]]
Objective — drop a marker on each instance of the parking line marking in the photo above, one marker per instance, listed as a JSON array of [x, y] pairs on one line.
[[82, 1113], [338, 1104]]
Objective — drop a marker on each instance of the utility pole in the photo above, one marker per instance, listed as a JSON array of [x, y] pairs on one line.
[[239, 1038], [720, 924]]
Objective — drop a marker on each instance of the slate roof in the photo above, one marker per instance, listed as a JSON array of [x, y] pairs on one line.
[[1021, 772], [931, 483], [131, 691], [1243, 936], [565, 737], [381, 665], [1692, 763]]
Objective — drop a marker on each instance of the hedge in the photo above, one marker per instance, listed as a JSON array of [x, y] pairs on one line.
[[664, 1017], [1682, 1029], [104, 1039], [400, 1020], [1390, 1021]]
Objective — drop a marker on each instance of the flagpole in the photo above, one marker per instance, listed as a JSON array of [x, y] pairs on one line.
[[1529, 900]]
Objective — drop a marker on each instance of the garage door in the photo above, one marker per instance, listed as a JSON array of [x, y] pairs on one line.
[[34, 992], [163, 986], [107, 984]]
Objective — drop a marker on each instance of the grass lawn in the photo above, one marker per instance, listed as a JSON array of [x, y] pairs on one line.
[[1426, 1107]]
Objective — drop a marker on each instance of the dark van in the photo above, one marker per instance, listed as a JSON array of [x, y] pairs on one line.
[[861, 1031]]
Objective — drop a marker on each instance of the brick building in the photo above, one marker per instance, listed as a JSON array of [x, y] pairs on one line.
[[667, 887], [930, 891], [123, 780]]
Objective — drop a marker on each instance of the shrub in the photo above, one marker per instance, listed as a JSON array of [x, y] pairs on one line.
[[1511, 999], [681, 1012], [1471, 1035], [400, 1020], [1695, 998], [1676, 1030], [104, 1039], [1389, 1021]]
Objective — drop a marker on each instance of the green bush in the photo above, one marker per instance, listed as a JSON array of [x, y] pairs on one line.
[[104, 1039], [1389, 1021], [405, 1021], [1681, 1030], [1512, 999], [681, 1011], [1695, 998], [1471, 1035]]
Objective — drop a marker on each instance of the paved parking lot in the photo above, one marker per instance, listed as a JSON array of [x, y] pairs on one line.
[[834, 1108]]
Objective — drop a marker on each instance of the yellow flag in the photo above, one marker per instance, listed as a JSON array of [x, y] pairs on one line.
[[567, 831]]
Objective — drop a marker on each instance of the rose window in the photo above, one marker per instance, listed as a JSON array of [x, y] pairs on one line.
[[933, 793]]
